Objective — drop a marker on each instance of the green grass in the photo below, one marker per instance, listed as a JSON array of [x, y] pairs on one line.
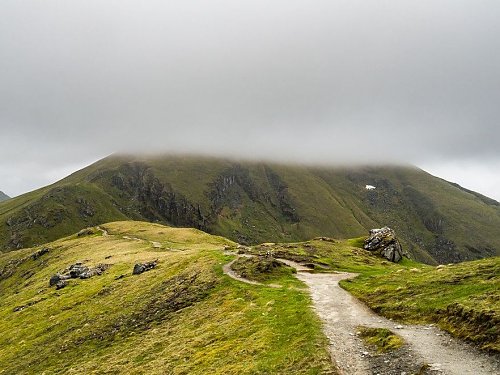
[[382, 339], [183, 317]]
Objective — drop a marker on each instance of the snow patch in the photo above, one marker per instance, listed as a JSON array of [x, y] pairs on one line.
[[370, 187]]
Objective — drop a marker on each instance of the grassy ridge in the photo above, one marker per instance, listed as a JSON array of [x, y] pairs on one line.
[[182, 317]]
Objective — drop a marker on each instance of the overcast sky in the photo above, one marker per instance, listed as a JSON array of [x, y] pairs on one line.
[[318, 81]]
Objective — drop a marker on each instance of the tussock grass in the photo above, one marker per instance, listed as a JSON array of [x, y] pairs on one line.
[[262, 269], [382, 339]]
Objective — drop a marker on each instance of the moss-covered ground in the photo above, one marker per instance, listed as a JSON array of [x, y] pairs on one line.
[[382, 339]]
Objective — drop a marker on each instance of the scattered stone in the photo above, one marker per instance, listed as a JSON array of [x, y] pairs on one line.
[[143, 267], [384, 242], [75, 271], [39, 253], [56, 278], [96, 271], [61, 284], [399, 326]]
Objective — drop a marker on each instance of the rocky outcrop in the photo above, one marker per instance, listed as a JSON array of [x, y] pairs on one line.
[[40, 253], [384, 242], [156, 200], [76, 271], [143, 267]]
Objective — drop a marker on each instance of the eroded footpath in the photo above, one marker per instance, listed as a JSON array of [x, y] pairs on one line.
[[341, 314]]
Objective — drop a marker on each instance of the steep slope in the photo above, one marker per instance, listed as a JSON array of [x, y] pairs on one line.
[[183, 316], [3, 196], [256, 202]]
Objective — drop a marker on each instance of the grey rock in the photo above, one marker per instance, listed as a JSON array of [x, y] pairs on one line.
[[384, 242], [143, 267], [77, 269], [61, 284], [96, 271], [56, 278], [39, 253]]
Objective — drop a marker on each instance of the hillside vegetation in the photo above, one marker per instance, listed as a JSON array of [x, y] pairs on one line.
[[437, 222], [181, 317]]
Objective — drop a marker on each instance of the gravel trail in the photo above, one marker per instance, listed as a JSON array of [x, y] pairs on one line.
[[341, 313]]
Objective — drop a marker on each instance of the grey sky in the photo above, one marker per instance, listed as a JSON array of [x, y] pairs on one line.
[[320, 81]]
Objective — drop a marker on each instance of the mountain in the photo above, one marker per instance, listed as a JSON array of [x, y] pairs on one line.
[[252, 202], [3, 196]]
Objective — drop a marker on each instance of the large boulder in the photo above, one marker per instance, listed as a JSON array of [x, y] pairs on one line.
[[383, 241]]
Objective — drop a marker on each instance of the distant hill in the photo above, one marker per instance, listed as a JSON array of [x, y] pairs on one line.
[[3, 196], [438, 222]]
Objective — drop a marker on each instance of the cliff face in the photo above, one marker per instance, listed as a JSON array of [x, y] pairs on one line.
[[258, 202]]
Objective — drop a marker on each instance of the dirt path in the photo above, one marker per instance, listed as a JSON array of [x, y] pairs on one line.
[[228, 271], [341, 314]]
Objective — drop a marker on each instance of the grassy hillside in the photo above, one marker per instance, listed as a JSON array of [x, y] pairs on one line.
[[182, 317], [438, 222]]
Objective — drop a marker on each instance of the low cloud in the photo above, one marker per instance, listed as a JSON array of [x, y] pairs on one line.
[[303, 81]]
